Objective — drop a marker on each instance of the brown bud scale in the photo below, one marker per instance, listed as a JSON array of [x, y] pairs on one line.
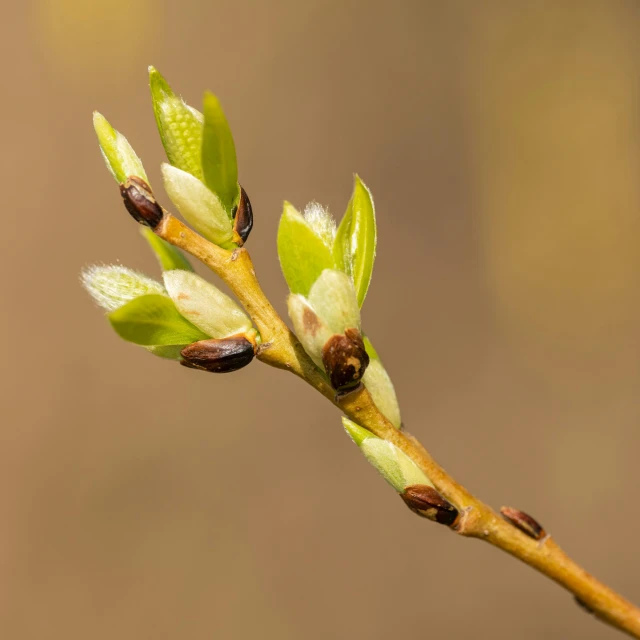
[[243, 218], [345, 359], [218, 356], [427, 502], [140, 203], [524, 522]]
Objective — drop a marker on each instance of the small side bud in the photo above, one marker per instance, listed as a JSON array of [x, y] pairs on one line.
[[140, 203], [428, 503], [524, 522], [218, 356], [345, 359], [243, 219]]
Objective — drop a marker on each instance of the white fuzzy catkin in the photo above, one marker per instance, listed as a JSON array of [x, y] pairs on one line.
[[112, 286], [321, 221]]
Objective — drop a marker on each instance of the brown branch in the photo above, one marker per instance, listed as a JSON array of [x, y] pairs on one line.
[[281, 349]]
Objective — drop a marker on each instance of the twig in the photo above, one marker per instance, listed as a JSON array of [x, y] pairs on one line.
[[519, 536]]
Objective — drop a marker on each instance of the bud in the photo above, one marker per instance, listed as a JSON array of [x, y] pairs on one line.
[[113, 286], [219, 356], [428, 503], [394, 465], [311, 330], [345, 359], [198, 205], [180, 126], [524, 522], [243, 219], [119, 156], [205, 306], [140, 203]]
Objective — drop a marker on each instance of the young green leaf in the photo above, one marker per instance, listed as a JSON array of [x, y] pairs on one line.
[[168, 256], [168, 352], [219, 163], [379, 385], [312, 331], [303, 255], [354, 249], [198, 205], [205, 305], [395, 466], [153, 320], [118, 154], [180, 126]]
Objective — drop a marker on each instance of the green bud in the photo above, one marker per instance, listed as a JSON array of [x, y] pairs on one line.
[[112, 286], [303, 254], [378, 383], [394, 465], [219, 162], [198, 205], [203, 304], [354, 249], [168, 256], [180, 126], [119, 156]]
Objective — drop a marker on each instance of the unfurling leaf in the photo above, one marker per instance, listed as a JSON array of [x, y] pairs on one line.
[[321, 222], [303, 254], [198, 205], [153, 320], [118, 154], [396, 467], [205, 305], [179, 125], [168, 256], [219, 163], [112, 286], [312, 331], [354, 248]]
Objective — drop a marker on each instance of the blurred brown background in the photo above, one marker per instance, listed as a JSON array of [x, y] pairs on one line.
[[501, 141]]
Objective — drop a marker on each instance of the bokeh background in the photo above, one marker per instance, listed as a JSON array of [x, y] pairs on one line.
[[501, 141]]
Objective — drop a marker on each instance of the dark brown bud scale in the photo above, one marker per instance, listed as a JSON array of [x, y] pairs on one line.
[[524, 522], [345, 359], [243, 218], [140, 203], [218, 356], [428, 503]]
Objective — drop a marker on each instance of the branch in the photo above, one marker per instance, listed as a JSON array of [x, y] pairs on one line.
[[519, 535]]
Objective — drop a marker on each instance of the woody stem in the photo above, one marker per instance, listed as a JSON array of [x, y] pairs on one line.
[[281, 349]]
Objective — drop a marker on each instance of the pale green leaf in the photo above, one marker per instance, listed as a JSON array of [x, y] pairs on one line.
[[303, 255], [198, 205], [219, 162], [168, 352], [154, 320], [118, 154], [354, 248], [334, 300], [179, 125], [168, 256], [203, 304]]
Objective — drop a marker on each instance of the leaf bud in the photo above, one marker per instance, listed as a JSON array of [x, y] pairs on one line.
[[140, 202], [345, 359], [428, 503], [243, 219], [524, 522], [219, 356]]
